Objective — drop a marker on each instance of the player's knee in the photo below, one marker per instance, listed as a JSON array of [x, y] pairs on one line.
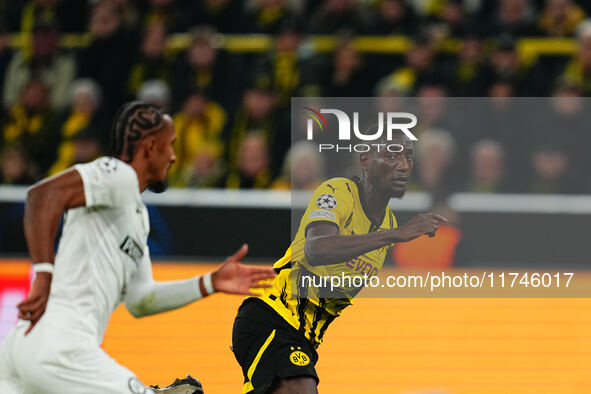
[[297, 385]]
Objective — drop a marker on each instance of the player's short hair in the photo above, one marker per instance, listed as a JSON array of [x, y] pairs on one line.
[[134, 121]]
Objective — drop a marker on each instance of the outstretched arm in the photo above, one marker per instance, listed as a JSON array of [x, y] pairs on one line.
[[147, 297], [324, 245], [46, 202]]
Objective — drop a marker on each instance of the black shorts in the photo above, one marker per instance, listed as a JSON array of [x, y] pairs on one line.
[[267, 347]]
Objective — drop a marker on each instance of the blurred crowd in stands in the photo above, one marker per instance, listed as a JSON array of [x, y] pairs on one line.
[[231, 105]]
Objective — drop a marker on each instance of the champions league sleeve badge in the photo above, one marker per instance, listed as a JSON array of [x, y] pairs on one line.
[[326, 201]]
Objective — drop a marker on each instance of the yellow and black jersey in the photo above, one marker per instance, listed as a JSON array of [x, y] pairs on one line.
[[299, 293]]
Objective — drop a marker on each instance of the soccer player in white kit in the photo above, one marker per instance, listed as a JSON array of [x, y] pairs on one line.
[[102, 260]]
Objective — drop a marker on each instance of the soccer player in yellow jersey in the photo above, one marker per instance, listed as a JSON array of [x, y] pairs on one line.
[[347, 229]]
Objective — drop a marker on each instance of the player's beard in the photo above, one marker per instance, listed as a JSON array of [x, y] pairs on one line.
[[157, 186], [398, 193]]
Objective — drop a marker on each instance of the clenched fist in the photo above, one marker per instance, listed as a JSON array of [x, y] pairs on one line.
[[423, 224]]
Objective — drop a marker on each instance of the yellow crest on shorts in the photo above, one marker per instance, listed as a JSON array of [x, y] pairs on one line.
[[299, 358]]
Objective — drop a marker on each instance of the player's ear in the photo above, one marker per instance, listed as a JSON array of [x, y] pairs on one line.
[[150, 146]]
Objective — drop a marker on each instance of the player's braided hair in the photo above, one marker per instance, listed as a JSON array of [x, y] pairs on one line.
[[133, 121]]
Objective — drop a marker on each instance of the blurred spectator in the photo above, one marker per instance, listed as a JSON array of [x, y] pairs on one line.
[[208, 168], [393, 17], [420, 67], [86, 148], [551, 171], [16, 167], [506, 65], [30, 124], [303, 169], [487, 167], [391, 86], [5, 53], [432, 108], [252, 170], [203, 67], [567, 99], [445, 19], [283, 63], [432, 90], [560, 18], [199, 129], [502, 88], [83, 129], [434, 158], [80, 148], [155, 92], [152, 61], [267, 16], [257, 114], [108, 58], [128, 11], [69, 14], [506, 121], [43, 61], [568, 108], [224, 15], [578, 70], [514, 17], [453, 18], [564, 122], [336, 15], [566, 119], [470, 71], [174, 15], [346, 75], [35, 11]]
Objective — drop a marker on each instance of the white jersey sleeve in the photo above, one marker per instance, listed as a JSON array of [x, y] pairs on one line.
[[144, 296], [108, 182]]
